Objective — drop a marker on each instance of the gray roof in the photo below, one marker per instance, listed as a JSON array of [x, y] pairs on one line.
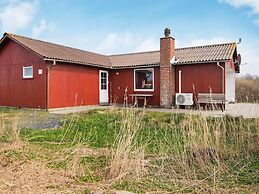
[[199, 54], [189, 55], [135, 59], [216, 52]]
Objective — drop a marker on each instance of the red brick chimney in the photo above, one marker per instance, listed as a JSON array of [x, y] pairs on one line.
[[167, 71]]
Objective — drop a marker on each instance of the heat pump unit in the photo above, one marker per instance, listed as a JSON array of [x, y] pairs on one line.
[[184, 99]]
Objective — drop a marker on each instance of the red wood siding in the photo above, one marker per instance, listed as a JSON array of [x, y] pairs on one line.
[[200, 78], [124, 78], [14, 90], [73, 85]]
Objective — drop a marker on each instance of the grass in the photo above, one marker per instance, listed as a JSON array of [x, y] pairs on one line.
[[247, 89], [145, 151]]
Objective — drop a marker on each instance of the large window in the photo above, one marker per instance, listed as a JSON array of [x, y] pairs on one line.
[[144, 79], [27, 72]]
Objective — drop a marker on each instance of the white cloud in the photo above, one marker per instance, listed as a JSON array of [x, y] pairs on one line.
[[201, 42], [149, 44], [253, 4], [16, 14], [215, 40], [114, 42], [204, 41], [43, 27]]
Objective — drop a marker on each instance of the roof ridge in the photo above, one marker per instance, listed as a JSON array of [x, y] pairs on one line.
[[121, 54], [190, 47], [74, 55], [207, 45], [134, 53], [33, 39]]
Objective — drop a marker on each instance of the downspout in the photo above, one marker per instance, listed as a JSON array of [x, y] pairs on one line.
[[223, 75], [180, 82], [47, 80]]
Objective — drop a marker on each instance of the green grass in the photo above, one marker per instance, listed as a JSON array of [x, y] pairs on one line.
[[177, 139], [96, 128]]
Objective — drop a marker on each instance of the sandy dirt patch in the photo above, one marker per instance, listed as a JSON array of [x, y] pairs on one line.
[[32, 177]]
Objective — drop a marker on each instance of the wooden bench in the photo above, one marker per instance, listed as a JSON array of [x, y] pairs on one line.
[[212, 99]]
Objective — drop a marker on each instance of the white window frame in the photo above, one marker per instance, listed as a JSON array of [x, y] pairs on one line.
[[24, 76], [153, 80]]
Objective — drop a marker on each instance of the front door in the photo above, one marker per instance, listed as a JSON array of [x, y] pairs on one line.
[[104, 96]]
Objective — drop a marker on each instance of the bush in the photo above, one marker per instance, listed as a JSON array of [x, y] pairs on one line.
[[247, 89]]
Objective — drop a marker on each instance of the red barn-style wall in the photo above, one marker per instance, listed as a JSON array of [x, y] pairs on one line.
[[14, 90], [200, 78], [120, 79], [73, 85]]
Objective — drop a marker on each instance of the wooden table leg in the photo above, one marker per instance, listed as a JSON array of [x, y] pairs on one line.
[[145, 102], [148, 98], [136, 101]]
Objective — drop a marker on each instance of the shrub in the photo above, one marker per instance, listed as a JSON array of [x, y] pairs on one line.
[[247, 89]]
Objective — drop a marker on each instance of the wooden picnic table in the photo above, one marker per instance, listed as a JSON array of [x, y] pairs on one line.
[[136, 97]]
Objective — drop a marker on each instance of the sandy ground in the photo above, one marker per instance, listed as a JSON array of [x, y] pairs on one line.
[[32, 177], [23, 176]]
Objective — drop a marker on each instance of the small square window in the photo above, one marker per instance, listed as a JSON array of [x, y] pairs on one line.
[[27, 72]]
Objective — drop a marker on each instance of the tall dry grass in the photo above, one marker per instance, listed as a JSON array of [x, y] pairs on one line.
[[196, 152], [2, 123], [247, 89], [202, 147], [127, 155], [10, 129]]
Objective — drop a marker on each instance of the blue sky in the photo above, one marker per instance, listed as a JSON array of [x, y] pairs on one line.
[[119, 26]]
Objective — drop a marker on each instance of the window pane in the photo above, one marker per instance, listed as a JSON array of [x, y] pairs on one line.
[[103, 81], [103, 75], [104, 86], [28, 72], [144, 79]]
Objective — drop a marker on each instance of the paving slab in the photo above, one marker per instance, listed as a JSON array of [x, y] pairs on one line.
[[76, 109], [246, 110]]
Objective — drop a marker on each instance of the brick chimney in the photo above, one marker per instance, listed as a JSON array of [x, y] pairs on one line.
[[167, 71]]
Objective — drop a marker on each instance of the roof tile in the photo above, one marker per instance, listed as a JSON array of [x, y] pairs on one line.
[[208, 53], [54, 51]]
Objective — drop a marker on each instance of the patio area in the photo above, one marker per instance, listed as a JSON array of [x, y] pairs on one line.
[[246, 110]]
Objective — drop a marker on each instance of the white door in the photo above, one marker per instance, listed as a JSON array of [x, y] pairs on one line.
[[104, 96]]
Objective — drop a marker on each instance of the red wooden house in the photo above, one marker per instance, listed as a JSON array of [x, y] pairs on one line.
[[39, 74]]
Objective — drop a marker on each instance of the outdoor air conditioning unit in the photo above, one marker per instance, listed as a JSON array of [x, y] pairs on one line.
[[184, 99]]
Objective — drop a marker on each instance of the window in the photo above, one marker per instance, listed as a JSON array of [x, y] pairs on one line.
[[27, 72], [144, 79]]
